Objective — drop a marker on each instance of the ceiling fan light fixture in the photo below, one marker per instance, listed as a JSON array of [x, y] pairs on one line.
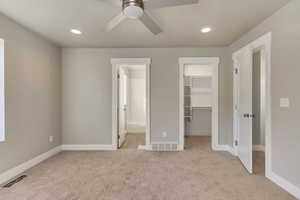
[[133, 9]]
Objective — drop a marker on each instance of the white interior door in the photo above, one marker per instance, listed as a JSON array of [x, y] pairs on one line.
[[244, 62], [122, 106]]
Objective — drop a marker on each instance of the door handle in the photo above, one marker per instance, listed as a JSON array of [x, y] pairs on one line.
[[246, 115]]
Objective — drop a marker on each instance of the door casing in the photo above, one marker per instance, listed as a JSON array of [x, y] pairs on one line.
[[262, 44], [122, 105], [116, 63], [214, 62]]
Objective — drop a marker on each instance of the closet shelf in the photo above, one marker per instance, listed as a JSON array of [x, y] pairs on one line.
[[202, 108], [201, 90]]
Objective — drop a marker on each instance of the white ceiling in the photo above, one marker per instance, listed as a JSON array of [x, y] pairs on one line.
[[181, 26]]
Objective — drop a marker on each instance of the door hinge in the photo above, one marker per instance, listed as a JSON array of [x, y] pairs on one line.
[[236, 70], [236, 143], [118, 76], [236, 107]]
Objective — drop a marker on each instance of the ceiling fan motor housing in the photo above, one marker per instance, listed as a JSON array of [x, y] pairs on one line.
[[133, 8]]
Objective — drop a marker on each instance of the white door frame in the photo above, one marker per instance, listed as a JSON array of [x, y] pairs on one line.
[[2, 92], [264, 44], [123, 72], [213, 61], [116, 63]]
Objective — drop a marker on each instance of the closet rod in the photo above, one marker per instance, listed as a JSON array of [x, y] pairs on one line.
[[202, 108]]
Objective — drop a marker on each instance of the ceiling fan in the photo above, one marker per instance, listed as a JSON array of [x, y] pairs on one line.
[[136, 9]]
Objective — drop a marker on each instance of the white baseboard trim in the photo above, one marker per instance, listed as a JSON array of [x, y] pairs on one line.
[[286, 185], [231, 150], [88, 147], [259, 148], [283, 183], [145, 147], [221, 148], [199, 133], [6, 176], [224, 148], [11, 173]]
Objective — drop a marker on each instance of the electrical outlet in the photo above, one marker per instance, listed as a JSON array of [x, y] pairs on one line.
[[164, 134], [50, 138], [284, 102]]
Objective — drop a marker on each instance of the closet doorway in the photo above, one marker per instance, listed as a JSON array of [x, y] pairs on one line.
[[198, 101]]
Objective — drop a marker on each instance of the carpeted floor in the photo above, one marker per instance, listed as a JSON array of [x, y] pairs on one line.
[[195, 174], [259, 163], [133, 140]]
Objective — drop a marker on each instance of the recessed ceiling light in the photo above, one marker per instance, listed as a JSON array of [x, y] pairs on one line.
[[76, 32], [206, 30]]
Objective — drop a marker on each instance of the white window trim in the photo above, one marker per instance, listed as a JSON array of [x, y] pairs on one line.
[[2, 92]]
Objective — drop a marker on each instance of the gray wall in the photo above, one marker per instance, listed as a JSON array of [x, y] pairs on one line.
[[285, 82], [87, 92], [33, 95], [33, 92], [256, 107], [201, 122]]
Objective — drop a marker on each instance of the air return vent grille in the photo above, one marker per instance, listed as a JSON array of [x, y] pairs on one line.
[[15, 181], [165, 147]]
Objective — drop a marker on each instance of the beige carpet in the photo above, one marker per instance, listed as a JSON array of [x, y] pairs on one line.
[[259, 163], [133, 140], [196, 174]]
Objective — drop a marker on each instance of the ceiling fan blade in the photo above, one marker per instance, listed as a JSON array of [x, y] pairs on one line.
[[113, 2], [152, 4], [115, 22], [150, 24]]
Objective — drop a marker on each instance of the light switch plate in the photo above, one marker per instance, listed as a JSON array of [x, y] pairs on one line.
[[284, 102], [50, 138]]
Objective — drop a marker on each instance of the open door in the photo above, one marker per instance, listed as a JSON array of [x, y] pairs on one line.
[[122, 106], [244, 146]]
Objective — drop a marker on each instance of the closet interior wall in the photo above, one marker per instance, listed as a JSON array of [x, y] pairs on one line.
[[197, 101]]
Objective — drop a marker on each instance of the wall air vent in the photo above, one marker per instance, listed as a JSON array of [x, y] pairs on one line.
[[165, 147], [13, 182]]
